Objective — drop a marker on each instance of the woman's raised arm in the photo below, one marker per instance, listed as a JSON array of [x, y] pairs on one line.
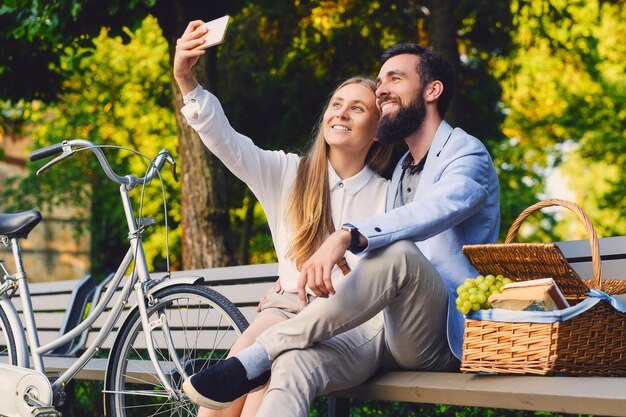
[[187, 55]]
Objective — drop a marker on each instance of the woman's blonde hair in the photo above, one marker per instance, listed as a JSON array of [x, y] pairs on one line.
[[308, 207]]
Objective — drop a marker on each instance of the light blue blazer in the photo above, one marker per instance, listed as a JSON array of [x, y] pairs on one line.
[[457, 202]]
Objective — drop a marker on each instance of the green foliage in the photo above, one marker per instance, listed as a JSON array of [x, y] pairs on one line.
[[277, 67], [483, 37], [250, 229], [117, 96], [84, 399], [282, 59], [363, 408], [34, 34], [593, 184], [307, 49], [559, 66], [564, 84]]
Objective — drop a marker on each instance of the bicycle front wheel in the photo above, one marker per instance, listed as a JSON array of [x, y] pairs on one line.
[[204, 325], [7, 341]]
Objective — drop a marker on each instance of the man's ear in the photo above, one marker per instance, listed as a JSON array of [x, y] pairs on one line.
[[433, 91]]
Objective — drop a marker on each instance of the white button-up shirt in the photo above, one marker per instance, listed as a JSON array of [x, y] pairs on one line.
[[271, 174]]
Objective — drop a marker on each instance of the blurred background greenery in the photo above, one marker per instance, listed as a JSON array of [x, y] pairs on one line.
[[541, 83]]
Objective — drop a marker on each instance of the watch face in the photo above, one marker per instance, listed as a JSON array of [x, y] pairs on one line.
[[354, 236], [350, 228]]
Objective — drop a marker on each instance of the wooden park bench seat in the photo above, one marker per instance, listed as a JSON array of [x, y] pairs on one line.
[[60, 305], [244, 286]]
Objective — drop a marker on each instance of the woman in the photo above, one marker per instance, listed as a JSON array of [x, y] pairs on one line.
[[304, 198]]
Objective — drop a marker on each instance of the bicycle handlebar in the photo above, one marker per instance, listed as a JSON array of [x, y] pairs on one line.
[[46, 152], [65, 149]]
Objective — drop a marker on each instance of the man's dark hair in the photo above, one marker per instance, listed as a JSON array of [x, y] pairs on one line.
[[431, 66]]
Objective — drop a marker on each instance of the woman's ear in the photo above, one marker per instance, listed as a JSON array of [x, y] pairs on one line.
[[433, 91]]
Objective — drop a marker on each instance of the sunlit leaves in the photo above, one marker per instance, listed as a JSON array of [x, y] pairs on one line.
[[114, 97], [33, 34], [565, 83]]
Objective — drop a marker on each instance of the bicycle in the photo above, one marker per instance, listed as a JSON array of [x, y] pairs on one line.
[[144, 341]]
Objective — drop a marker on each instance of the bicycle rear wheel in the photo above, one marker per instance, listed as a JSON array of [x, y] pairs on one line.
[[204, 326], [7, 340]]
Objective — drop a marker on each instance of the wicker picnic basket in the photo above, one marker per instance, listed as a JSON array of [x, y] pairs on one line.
[[592, 343]]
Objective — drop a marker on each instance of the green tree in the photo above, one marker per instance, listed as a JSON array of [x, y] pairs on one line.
[[116, 96], [591, 184], [280, 59], [36, 34], [562, 85]]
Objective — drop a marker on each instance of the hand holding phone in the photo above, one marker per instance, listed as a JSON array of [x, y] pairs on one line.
[[216, 32]]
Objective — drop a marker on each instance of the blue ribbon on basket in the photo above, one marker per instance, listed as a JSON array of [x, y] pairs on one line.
[[509, 316]]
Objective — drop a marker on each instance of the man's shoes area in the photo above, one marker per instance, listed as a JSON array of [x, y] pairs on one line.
[[217, 386]]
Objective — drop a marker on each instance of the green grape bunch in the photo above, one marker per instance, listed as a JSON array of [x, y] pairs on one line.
[[474, 293]]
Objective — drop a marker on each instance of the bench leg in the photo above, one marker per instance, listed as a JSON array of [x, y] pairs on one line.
[[338, 407]]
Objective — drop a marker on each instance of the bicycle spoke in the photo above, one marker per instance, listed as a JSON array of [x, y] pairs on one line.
[[145, 393], [203, 325]]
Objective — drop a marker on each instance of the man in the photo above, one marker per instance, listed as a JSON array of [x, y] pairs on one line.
[[444, 194]]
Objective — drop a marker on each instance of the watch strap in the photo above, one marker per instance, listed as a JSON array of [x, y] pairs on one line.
[[354, 237]]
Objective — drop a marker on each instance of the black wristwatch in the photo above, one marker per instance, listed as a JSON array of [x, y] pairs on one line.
[[354, 247]]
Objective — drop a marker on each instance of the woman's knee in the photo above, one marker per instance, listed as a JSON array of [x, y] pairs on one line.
[[258, 326]]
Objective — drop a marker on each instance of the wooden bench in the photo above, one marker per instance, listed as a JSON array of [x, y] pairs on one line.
[[59, 306], [244, 285]]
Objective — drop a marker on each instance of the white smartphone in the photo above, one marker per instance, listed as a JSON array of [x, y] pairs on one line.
[[216, 33]]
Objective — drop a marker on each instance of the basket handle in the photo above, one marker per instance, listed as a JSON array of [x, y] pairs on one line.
[[591, 232]]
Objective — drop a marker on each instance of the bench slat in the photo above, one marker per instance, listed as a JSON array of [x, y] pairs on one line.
[[258, 273], [47, 320], [586, 395], [609, 247], [64, 286], [207, 338], [53, 302], [243, 294], [611, 269]]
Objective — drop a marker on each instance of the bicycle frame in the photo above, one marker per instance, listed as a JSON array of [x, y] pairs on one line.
[[140, 282]]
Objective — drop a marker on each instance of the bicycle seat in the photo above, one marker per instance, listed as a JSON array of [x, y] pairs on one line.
[[19, 225]]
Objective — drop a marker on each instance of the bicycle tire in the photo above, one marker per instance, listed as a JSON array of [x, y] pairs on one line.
[[7, 339], [132, 388]]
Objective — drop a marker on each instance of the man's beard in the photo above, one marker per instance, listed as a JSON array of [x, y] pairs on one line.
[[395, 128]]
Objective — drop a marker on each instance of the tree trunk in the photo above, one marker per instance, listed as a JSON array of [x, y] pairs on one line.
[[205, 220], [442, 31]]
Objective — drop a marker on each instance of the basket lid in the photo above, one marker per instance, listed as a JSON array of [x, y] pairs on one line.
[[527, 261]]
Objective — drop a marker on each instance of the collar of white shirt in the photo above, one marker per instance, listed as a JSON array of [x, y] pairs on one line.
[[353, 184]]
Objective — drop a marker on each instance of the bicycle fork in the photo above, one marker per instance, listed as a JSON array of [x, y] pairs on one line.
[[142, 292], [149, 326]]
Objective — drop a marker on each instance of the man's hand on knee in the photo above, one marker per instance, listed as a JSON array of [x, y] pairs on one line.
[[316, 272]]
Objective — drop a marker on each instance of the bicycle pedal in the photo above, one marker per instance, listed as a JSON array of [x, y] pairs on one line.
[[46, 412], [52, 375], [59, 398]]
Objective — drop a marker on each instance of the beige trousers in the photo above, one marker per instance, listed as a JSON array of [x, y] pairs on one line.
[[341, 341]]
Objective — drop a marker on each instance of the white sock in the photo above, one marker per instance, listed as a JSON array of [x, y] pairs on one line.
[[255, 360]]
